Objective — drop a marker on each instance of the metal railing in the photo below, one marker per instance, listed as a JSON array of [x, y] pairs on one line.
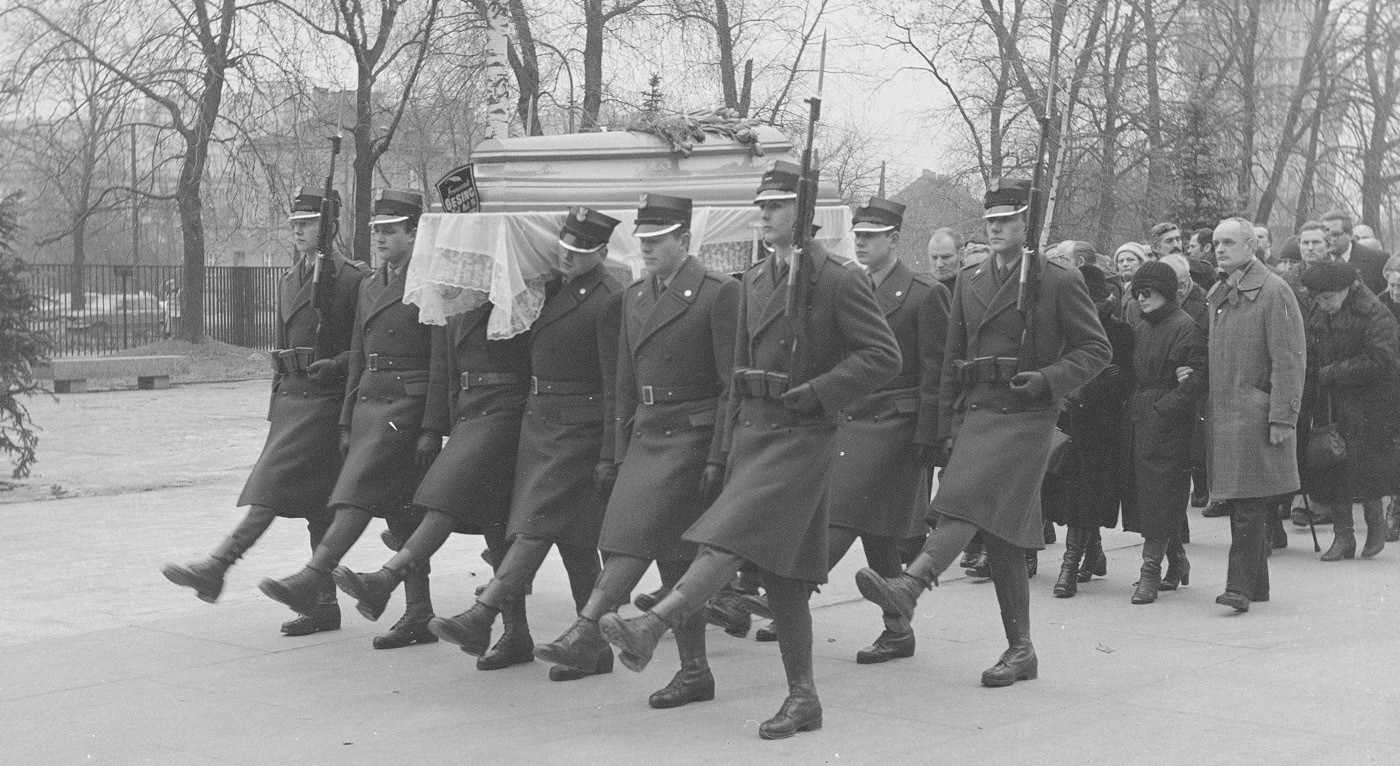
[[100, 309]]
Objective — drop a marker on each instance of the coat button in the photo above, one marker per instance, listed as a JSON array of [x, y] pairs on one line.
[[772, 426], [748, 422], [364, 398], [973, 407], [1004, 410], [850, 418]]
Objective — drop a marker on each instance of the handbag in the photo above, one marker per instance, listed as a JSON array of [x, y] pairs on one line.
[[1059, 452], [1326, 447]]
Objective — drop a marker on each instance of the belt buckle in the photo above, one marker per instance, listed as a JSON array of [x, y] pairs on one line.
[[372, 362], [648, 395], [466, 381], [534, 385]]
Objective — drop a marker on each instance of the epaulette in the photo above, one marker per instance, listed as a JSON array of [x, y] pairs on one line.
[[717, 276], [926, 280]]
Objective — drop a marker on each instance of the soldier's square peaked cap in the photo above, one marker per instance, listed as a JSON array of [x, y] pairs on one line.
[[659, 214], [878, 215], [780, 181], [1006, 196], [395, 207], [307, 203], [586, 230]]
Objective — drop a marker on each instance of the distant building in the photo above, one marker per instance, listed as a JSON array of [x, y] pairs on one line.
[[932, 202]]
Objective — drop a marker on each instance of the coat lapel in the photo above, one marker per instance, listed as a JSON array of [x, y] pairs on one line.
[[294, 297], [685, 286], [776, 305], [467, 324], [1004, 295], [569, 297], [895, 288], [388, 294]]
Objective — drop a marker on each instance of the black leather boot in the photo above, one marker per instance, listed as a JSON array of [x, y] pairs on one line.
[[1178, 567], [470, 630], [326, 617], [1375, 528], [1095, 560], [1032, 562], [1150, 578], [645, 601], [301, 591], [724, 611], [1018, 662], [755, 605], [515, 646], [890, 645], [206, 576], [1392, 520], [802, 710], [578, 647], [370, 591], [635, 638], [978, 568], [898, 595], [412, 627], [1343, 535], [692, 683], [1068, 583], [602, 666], [766, 634]]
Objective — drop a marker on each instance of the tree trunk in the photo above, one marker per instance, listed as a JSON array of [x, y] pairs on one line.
[[527, 70], [592, 64], [1157, 165], [362, 167], [1288, 136], [724, 41], [1248, 39], [495, 72]]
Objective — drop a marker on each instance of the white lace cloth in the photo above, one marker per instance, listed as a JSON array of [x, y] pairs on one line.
[[462, 260]]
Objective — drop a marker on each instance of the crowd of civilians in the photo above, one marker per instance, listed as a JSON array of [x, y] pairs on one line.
[[1253, 382]]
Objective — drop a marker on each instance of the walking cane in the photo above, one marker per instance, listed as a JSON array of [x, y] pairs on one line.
[[1311, 526]]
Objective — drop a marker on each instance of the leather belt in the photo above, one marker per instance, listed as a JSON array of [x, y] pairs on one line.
[[902, 381], [563, 387], [660, 394], [379, 362], [986, 369], [472, 380], [292, 361]]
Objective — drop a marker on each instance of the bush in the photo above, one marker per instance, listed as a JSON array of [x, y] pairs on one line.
[[21, 348]]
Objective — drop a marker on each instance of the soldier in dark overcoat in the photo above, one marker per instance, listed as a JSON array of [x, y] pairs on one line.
[[1004, 384], [564, 461], [299, 463], [467, 489], [390, 428], [782, 422], [878, 486], [674, 363]]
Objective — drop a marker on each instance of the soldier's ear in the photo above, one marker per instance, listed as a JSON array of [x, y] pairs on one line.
[[894, 237], [685, 242]]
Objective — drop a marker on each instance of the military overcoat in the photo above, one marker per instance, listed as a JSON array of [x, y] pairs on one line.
[[674, 363], [1002, 441], [564, 436], [386, 399], [877, 485], [772, 511], [301, 459], [486, 383]]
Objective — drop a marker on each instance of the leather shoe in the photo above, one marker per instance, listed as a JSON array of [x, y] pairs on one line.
[[723, 610], [894, 595], [206, 576], [324, 618], [301, 591], [577, 648], [1018, 663], [1233, 599], [755, 605], [980, 568], [1216, 510], [767, 634], [567, 673], [409, 630], [370, 591], [692, 683], [889, 646], [470, 630], [799, 713], [636, 638], [514, 647], [970, 558]]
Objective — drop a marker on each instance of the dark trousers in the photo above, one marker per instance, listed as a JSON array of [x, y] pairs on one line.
[[1250, 541]]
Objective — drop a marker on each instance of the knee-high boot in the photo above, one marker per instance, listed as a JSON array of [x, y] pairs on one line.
[[1178, 566], [1343, 533], [206, 576], [1018, 662], [1150, 578], [1095, 560], [1075, 540], [802, 710]]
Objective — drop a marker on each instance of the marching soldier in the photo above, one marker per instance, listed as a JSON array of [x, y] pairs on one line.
[[1005, 378], [564, 464], [674, 364], [886, 442], [301, 458], [772, 511], [390, 429], [467, 488]]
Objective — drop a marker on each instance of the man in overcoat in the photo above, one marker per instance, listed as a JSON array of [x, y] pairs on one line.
[[564, 462], [1368, 262], [674, 363], [1003, 387], [1257, 363], [467, 489], [887, 442], [301, 459], [772, 511], [390, 429]]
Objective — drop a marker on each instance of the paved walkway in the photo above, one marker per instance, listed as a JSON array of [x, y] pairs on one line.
[[102, 661]]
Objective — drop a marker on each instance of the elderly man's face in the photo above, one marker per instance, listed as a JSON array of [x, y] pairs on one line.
[[1234, 245], [1127, 263], [943, 258]]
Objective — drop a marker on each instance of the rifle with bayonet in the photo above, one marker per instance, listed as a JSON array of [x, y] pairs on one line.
[[1028, 290], [322, 292], [799, 296]]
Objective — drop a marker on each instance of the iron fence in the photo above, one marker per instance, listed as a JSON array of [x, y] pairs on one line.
[[100, 309]]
